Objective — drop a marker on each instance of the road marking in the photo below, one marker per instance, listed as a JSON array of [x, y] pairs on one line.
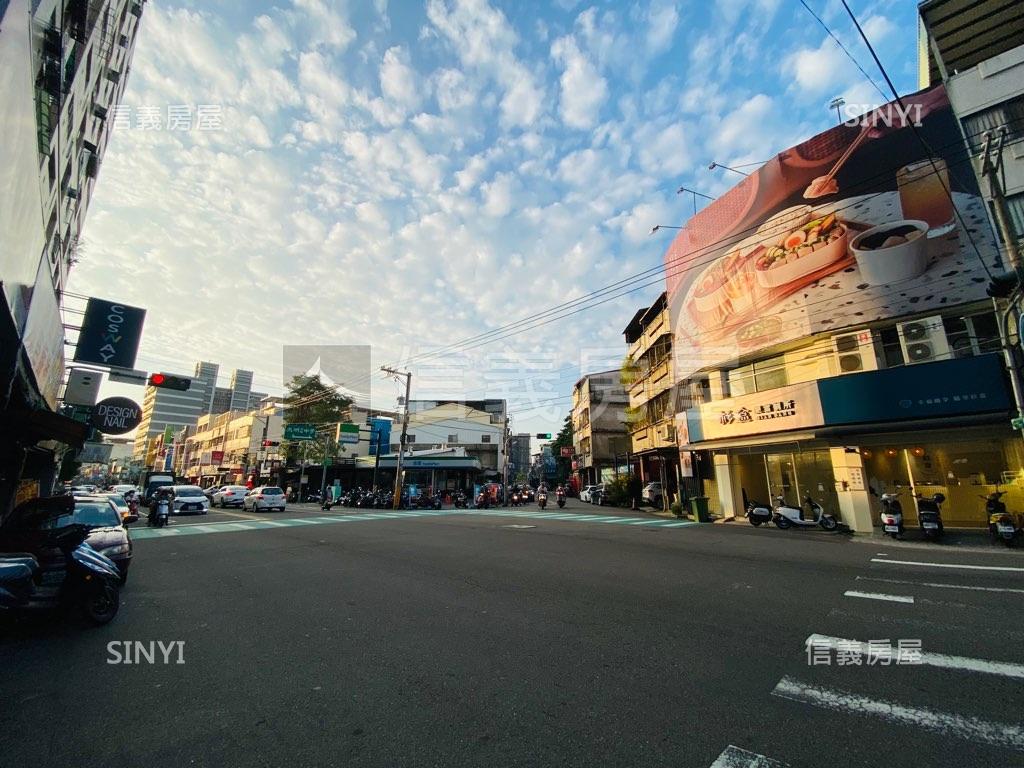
[[940, 585], [968, 728], [879, 596], [951, 565], [881, 554], [734, 757], [964, 663], [518, 526]]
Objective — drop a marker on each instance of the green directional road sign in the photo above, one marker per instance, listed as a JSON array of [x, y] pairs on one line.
[[299, 432]]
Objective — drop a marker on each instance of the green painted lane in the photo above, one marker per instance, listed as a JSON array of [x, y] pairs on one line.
[[198, 529]]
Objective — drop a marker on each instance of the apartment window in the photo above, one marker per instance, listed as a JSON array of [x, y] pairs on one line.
[[1009, 116], [485, 438], [453, 438], [410, 439], [758, 377]]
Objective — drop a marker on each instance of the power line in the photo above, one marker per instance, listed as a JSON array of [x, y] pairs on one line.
[[843, 49]]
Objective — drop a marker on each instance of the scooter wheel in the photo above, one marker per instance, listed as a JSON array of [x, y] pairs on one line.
[[101, 606], [829, 523], [782, 522], [756, 523]]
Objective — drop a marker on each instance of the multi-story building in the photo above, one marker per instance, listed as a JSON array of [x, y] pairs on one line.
[[519, 457], [241, 387], [454, 424], [976, 48], [652, 407], [600, 438], [65, 64], [868, 369], [227, 447], [164, 408]]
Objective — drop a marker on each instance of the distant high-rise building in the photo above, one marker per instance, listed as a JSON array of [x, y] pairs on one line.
[[241, 386], [163, 408], [208, 373]]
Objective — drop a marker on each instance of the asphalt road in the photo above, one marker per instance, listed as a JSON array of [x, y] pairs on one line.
[[508, 639]]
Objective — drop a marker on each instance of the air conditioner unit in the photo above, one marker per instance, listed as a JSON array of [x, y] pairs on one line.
[[92, 166], [100, 112], [72, 193], [53, 46], [923, 340], [667, 432], [855, 352]]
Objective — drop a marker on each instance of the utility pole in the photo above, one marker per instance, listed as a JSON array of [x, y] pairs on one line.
[[376, 462], [397, 499], [991, 167], [508, 447]]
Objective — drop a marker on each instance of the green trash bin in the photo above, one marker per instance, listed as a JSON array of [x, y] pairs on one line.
[[699, 507]]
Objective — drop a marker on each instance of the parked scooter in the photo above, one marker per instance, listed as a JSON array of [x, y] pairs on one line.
[[929, 515], [892, 515], [460, 500], [758, 513], [82, 578], [1002, 525], [786, 516]]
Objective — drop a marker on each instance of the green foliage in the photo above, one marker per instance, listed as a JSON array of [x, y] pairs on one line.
[[617, 491], [677, 509], [629, 372], [310, 401], [564, 439]]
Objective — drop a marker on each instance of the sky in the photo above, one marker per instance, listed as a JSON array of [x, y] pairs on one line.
[[412, 174]]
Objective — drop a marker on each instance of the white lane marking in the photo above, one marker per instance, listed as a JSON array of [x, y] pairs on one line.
[[965, 663], [951, 565], [940, 585], [881, 554], [734, 757], [969, 728], [277, 523], [879, 596]]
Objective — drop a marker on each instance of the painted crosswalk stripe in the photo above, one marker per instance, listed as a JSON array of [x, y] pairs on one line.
[[734, 757], [950, 565], [1007, 735], [879, 596], [963, 663], [942, 585]]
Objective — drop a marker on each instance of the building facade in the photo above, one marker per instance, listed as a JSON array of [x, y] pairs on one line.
[[452, 424], [227, 448], [519, 457], [164, 409], [652, 396], [65, 64], [600, 437]]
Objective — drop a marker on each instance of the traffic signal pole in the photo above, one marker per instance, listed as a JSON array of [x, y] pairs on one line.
[[397, 498]]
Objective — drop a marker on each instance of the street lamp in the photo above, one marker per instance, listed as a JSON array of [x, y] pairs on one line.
[[835, 104], [714, 165], [661, 226]]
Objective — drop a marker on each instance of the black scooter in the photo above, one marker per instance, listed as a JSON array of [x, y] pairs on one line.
[[929, 515], [81, 578], [560, 497], [460, 500]]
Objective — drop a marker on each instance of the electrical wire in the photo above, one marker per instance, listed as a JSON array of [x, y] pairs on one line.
[[844, 50]]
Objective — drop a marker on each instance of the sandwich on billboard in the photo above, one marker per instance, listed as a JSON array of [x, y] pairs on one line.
[[858, 224]]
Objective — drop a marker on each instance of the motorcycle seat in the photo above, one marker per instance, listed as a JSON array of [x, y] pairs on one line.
[[15, 572], [20, 558]]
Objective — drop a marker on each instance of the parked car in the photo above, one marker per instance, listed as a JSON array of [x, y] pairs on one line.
[[597, 495], [122, 507], [653, 495], [107, 534], [585, 493], [264, 497], [189, 499], [230, 496]]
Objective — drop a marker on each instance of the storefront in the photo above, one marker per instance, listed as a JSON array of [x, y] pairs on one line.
[[940, 427]]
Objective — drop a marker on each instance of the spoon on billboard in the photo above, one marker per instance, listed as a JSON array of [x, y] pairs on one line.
[[827, 185]]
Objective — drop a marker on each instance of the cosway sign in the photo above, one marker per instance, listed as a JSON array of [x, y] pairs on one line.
[[110, 334], [115, 415], [299, 432]]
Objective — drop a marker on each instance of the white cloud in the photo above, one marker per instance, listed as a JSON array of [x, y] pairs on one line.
[[816, 70], [400, 82], [497, 195], [662, 20], [583, 90]]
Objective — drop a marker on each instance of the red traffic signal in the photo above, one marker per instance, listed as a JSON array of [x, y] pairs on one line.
[[270, 443], [166, 381]]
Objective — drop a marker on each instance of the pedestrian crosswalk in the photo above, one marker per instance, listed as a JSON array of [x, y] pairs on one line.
[[175, 531]]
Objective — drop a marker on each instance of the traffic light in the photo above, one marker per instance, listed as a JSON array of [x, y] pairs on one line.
[[270, 443], [166, 381], [1003, 285], [543, 435]]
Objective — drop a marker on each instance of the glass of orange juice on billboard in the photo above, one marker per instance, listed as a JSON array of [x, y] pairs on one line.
[[925, 194]]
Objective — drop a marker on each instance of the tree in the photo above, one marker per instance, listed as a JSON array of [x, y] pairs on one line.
[[310, 401], [563, 465]]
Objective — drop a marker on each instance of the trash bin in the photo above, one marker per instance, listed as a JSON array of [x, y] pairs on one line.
[[699, 507]]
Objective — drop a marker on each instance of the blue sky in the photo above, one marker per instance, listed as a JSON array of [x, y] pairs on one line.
[[409, 174]]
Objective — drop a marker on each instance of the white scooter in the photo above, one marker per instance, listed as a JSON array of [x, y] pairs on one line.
[[892, 515], [786, 516]]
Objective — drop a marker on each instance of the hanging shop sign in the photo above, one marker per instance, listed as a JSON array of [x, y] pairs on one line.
[[110, 334], [777, 410], [115, 415]]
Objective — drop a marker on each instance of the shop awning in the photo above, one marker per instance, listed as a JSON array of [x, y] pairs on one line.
[[29, 427], [421, 462]]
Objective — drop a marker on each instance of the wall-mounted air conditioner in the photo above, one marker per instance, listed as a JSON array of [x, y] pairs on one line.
[[855, 352], [923, 340]]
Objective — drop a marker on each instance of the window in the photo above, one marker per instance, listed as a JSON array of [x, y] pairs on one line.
[[410, 439], [741, 381], [1008, 115], [758, 377], [453, 438], [485, 438]]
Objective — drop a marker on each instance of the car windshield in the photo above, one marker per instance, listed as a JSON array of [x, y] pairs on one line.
[[188, 491], [96, 515], [272, 491], [117, 499]]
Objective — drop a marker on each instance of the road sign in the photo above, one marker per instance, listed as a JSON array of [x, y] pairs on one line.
[[299, 432], [348, 433]]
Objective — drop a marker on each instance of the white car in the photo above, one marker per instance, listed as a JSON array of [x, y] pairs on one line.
[[264, 497], [652, 494], [585, 493], [190, 500], [230, 496]]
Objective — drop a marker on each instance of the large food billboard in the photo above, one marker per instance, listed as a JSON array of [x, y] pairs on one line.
[[857, 224]]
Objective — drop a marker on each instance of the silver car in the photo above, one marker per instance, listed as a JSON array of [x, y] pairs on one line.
[[230, 496], [264, 497], [190, 500]]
